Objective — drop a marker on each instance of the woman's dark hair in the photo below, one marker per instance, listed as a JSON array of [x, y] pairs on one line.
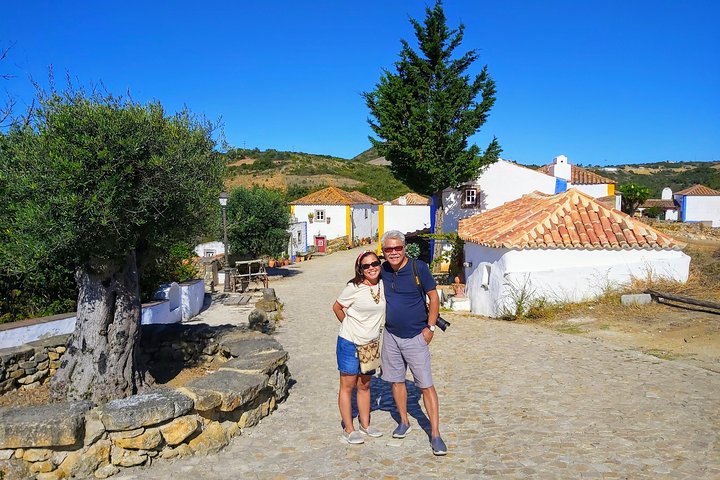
[[359, 278]]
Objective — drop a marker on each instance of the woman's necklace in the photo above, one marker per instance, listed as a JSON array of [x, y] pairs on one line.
[[375, 296]]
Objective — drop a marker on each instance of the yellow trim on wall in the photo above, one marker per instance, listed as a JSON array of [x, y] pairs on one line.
[[611, 189], [381, 226], [348, 223], [292, 209]]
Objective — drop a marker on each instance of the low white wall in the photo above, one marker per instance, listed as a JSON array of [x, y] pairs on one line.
[[499, 276], [406, 218], [190, 298], [595, 191]]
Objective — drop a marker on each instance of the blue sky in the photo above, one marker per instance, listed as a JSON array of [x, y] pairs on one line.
[[603, 82]]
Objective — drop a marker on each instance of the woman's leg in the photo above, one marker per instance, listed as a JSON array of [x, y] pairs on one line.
[[363, 399], [347, 383]]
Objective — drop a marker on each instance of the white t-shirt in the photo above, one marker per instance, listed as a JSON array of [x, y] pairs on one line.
[[363, 317]]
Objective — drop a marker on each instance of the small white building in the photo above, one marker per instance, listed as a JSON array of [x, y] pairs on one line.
[[334, 213], [210, 249], [566, 247], [699, 204], [407, 213], [666, 203], [569, 176]]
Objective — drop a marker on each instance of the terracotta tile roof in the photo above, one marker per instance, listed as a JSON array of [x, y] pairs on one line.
[[660, 203], [699, 190], [580, 176], [334, 196], [570, 219], [412, 199]]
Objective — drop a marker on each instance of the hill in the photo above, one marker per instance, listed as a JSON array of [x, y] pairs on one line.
[[298, 173], [676, 175]]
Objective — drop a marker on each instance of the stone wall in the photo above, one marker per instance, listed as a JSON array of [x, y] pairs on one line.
[[29, 366], [79, 439]]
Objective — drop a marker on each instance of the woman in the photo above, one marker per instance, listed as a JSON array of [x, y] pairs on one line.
[[361, 311]]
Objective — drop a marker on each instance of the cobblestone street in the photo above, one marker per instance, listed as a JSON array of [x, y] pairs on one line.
[[516, 401]]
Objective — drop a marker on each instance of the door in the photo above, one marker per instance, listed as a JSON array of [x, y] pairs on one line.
[[320, 244]]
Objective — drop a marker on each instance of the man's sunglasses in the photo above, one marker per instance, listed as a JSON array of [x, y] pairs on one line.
[[365, 266], [393, 249]]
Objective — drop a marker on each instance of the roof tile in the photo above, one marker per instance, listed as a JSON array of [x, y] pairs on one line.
[[699, 190], [335, 196]]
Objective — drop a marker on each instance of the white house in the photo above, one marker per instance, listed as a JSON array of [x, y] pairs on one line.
[[699, 204], [665, 203], [504, 181], [566, 247], [334, 213], [210, 249], [297, 240], [407, 213]]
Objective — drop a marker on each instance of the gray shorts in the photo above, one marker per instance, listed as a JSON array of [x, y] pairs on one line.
[[400, 353]]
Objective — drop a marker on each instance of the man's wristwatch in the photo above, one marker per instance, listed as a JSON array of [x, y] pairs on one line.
[[431, 328]]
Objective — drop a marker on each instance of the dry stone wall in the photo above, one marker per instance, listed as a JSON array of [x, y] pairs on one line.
[[79, 439]]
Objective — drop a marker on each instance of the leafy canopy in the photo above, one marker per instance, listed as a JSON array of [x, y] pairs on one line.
[[92, 177], [633, 195], [426, 110], [257, 219]]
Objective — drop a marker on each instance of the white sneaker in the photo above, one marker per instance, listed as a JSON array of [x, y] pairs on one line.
[[371, 431], [353, 438]]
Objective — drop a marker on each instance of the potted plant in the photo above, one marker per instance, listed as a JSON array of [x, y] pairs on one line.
[[311, 216], [271, 262]]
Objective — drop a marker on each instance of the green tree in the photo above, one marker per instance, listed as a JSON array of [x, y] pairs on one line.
[[108, 186], [258, 220], [426, 110], [633, 195]]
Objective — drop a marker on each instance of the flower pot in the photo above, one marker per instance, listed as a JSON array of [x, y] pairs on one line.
[[271, 263]]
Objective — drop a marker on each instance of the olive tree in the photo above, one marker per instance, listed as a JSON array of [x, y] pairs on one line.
[[107, 185]]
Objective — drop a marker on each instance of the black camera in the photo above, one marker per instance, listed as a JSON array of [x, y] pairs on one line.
[[442, 323]]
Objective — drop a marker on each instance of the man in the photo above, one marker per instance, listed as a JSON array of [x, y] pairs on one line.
[[409, 329]]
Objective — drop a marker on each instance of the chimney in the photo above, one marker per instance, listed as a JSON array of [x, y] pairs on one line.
[[561, 168], [666, 194]]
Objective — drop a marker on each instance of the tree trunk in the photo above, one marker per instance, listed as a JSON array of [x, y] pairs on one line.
[[102, 362], [439, 217]]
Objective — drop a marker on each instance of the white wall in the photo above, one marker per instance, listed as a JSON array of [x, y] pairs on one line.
[[499, 183], [562, 275], [671, 215], [702, 209], [406, 218], [216, 247], [363, 227], [595, 191], [334, 229], [294, 245]]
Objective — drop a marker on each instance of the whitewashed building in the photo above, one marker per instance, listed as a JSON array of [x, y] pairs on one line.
[[670, 209], [699, 204], [566, 247], [210, 249], [334, 213], [408, 213]]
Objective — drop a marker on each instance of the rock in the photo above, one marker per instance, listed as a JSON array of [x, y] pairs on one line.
[[53, 355], [54, 475], [258, 320], [6, 454], [235, 388], [94, 428], [260, 363], [251, 346], [210, 440], [636, 299], [203, 399], [269, 294], [280, 381], [20, 353], [82, 463], [42, 467], [148, 440], [127, 433], [14, 468], [106, 471], [37, 454], [127, 458], [150, 408], [58, 424], [266, 305], [179, 429]]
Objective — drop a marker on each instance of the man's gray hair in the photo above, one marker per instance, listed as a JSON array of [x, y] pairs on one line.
[[397, 234]]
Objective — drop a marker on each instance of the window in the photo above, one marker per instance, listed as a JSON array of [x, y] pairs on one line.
[[299, 239], [366, 213], [469, 197], [209, 253], [320, 215]]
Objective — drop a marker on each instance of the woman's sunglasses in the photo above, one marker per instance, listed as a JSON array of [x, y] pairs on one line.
[[365, 266]]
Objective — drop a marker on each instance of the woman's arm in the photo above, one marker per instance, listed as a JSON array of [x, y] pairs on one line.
[[339, 311]]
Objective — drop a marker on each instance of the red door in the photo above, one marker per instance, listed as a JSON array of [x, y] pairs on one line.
[[320, 244]]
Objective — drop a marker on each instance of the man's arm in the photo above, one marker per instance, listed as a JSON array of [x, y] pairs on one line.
[[433, 311]]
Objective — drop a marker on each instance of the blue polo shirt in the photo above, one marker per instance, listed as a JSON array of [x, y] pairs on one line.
[[405, 314]]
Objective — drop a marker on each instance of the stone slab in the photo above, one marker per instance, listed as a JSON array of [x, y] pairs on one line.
[[264, 362], [58, 424], [235, 388], [636, 299], [251, 346], [151, 408], [21, 351]]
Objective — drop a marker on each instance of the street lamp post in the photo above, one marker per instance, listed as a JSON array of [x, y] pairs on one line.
[[223, 203]]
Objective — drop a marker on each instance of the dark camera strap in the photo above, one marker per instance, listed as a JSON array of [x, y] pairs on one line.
[[418, 284]]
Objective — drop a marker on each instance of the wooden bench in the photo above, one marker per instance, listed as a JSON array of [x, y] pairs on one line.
[[247, 271]]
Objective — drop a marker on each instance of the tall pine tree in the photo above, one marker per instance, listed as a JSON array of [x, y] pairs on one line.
[[426, 110]]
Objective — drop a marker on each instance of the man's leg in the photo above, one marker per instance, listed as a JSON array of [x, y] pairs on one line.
[[430, 400], [400, 396]]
